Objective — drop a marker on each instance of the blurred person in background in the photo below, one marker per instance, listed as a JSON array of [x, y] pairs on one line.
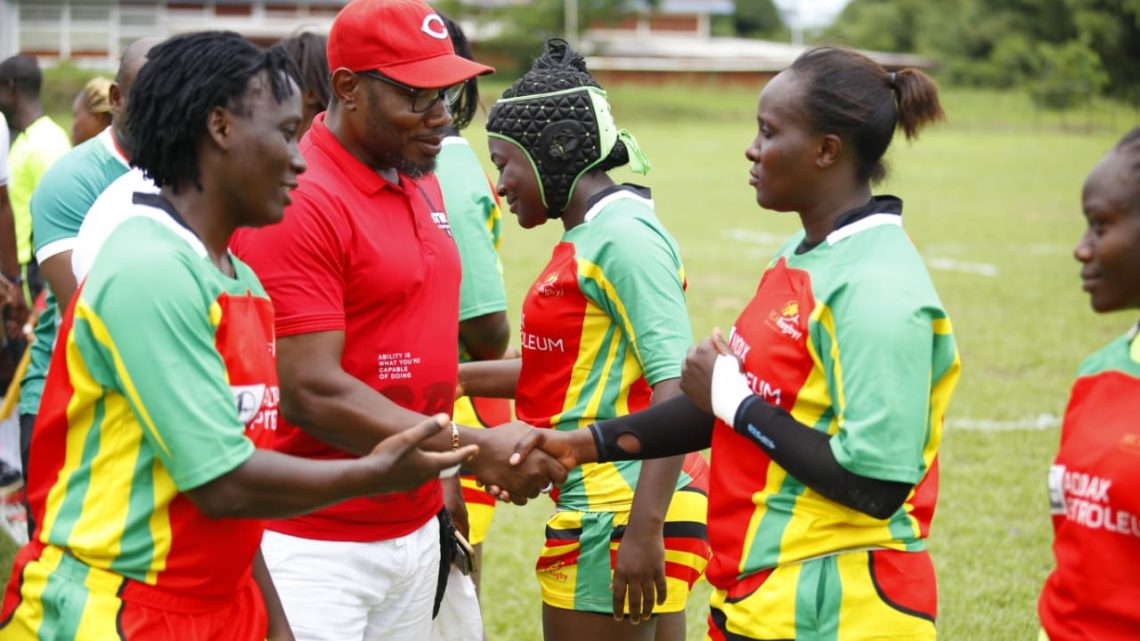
[[10, 475], [1094, 483], [91, 111], [308, 51], [37, 142]]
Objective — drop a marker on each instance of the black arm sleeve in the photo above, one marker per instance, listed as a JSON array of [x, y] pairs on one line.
[[806, 455], [673, 427]]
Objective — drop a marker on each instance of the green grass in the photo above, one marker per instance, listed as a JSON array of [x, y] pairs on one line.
[[999, 186]]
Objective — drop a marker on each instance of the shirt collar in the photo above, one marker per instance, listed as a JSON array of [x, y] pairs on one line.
[[363, 177], [111, 144]]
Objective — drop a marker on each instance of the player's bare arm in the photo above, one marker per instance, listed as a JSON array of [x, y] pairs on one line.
[[486, 337], [274, 485], [491, 379]]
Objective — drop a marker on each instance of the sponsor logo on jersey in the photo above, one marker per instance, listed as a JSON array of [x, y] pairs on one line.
[[541, 343], [740, 346], [256, 405], [549, 286], [786, 321]]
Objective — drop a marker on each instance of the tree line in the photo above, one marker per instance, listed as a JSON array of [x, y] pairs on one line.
[[1062, 51]]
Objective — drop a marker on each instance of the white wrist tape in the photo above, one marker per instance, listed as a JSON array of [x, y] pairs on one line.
[[729, 388]]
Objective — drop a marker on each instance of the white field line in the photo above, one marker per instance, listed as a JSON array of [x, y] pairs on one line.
[[1039, 422], [964, 266], [754, 237]]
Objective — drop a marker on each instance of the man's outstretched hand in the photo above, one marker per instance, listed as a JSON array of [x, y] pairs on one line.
[[397, 463]]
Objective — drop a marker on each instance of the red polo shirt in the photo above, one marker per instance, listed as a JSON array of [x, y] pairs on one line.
[[376, 261]]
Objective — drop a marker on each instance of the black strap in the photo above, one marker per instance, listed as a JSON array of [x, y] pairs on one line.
[[446, 553]]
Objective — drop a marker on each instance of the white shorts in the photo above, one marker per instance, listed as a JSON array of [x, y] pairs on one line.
[[347, 591]]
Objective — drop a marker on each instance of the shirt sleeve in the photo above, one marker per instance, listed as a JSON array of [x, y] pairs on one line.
[[639, 281], [147, 320], [877, 344], [300, 262], [59, 204]]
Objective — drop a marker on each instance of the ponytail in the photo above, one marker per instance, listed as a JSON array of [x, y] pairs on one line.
[[917, 101]]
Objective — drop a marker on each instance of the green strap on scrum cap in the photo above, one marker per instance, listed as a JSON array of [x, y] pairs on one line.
[[610, 134]]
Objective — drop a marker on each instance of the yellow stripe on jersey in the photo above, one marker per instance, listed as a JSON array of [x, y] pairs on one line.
[[593, 271], [81, 415], [102, 521], [822, 314], [594, 324], [595, 400], [630, 373], [772, 484], [160, 530], [942, 326], [100, 333], [599, 480]]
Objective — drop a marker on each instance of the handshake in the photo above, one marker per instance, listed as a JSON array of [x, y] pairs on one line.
[[517, 462], [507, 460]]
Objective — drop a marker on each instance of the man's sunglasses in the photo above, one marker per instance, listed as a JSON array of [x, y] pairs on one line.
[[422, 99]]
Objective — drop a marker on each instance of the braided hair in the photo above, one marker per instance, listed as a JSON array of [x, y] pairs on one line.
[[183, 80], [560, 117]]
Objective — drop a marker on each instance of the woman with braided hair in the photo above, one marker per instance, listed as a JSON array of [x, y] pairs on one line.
[[604, 330], [824, 407]]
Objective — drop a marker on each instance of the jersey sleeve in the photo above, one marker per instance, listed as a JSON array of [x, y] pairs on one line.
[[638, 280], [300, 264], [147, 320], [877, 346], [481, 291], [59, 204]]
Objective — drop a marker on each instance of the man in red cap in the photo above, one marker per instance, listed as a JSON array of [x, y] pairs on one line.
[[364, 276]]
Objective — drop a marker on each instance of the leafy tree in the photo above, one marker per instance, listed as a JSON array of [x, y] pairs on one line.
[[758, 19], [1071, 74], [1008, 43]]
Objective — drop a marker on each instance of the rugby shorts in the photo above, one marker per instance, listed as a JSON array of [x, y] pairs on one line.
[[879, 594]]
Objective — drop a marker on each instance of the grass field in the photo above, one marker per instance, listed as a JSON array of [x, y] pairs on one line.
[[992, 202]]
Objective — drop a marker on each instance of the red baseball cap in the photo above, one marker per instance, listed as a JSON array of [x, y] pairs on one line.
[[406, 40]]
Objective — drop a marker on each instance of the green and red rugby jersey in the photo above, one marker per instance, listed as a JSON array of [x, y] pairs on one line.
[[604, 322], [851, 339], [164, 378], [1094, 490]]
